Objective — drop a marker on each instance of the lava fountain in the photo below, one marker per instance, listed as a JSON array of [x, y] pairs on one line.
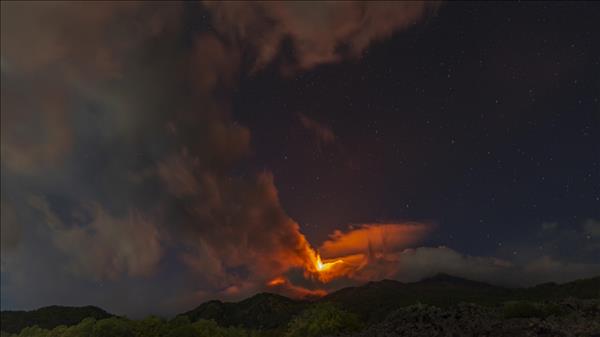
[[324, 266], [361, 253]]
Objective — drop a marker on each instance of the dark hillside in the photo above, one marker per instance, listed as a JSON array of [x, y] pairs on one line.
[[261, 311], [372, 302], [49, 317], [374, 299]]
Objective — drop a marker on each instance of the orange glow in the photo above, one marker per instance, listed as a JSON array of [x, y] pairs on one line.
[[326, 270], [325, 266], [319, 263], [379, 237], [276, 282], [359, 253]]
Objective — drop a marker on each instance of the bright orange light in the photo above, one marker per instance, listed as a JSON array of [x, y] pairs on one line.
[[325, 266], [358, 253], [318, 269], [319, 263], [276, 282]]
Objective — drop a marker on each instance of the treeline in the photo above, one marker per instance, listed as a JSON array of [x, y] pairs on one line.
[[318, 320], [270, 315], [49, 317]]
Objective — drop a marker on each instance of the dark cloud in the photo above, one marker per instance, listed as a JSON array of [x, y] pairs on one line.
[[11, 230], [91, 40], [322, 133], [53, 53], [322, 33], [116, 163], [242, 229], [106, 247], [416, 263], [123, 182]]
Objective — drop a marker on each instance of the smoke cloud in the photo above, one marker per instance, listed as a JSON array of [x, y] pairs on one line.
[[119, 151], [321, 32], [322, 133], [121, 162], [373, 237]]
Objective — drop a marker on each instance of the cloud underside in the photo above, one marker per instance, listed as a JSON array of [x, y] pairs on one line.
[[414, 264]]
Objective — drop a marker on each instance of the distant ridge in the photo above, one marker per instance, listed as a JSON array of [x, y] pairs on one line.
[[372, 301], [261, 311], [449, 279], [49, 317]]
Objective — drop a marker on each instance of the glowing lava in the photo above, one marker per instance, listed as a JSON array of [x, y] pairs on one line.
[[317, 269], [362, 253], [276, 282], [321, 267], [319, 263]]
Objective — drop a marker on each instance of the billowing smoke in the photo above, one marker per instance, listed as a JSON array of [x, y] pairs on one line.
[[123, 177], [321, 32], [120, 156], [373, 238]]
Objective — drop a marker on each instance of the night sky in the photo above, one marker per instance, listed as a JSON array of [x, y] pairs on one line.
[[156, 156], [483, 120]]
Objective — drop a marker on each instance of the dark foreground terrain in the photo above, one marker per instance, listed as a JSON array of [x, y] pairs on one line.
[[570, 317], [439, 306]]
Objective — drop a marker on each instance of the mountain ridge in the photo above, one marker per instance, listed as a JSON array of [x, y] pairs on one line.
[[371, 301], [49, 317]]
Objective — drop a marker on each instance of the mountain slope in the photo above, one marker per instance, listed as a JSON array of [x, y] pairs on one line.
[[261, 311], [374, 299], [49, 317]]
